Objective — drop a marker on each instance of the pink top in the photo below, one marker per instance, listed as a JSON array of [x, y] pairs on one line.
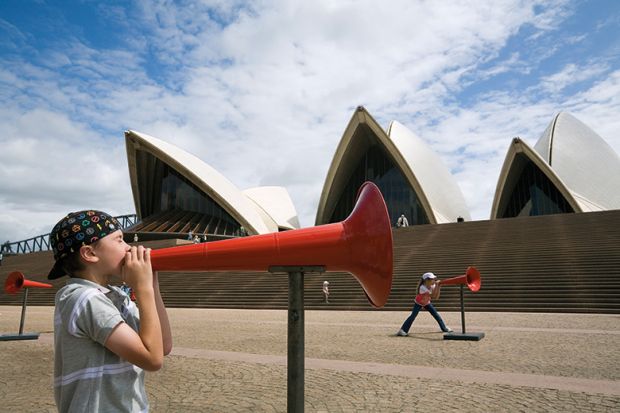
[[424, 295]]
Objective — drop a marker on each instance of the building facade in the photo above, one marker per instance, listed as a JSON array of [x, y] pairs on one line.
[[570, 169], [177, 193], [412, 178]]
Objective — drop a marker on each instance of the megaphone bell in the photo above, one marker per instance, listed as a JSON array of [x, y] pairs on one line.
[[471, 278]]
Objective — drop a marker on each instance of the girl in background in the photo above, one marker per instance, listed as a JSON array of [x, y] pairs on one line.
[[428, 288]]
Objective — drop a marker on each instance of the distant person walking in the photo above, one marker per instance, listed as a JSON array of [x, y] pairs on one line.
[[326, 291], [428, 288], [402, 221], [1, 259], [135, 237]]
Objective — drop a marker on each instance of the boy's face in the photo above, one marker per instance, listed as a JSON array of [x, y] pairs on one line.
[[111, 251]]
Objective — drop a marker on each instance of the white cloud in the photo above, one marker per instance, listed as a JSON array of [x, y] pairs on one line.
[[570, 75], [50, 166]]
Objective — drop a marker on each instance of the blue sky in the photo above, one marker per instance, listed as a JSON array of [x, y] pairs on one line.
[[263, 91]]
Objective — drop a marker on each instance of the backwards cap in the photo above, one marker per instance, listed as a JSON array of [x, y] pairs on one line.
[[74, 231]]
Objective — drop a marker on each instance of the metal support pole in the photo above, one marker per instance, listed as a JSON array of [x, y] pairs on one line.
[[464, 335], [295, 356], [21, 322], [462, 310], [295, 349], [295, 361]]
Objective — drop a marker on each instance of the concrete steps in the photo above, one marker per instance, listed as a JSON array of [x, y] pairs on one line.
[[554, 263]]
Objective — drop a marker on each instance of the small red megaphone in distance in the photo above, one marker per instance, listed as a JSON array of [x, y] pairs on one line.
[[471, 278], [16, 281]]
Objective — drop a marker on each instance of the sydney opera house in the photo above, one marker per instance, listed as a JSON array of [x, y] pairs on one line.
[[553, 226], [570, 169]]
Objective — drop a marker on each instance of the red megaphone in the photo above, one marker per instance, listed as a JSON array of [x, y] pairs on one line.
[[471, 278], [16, 281], [361, 245]]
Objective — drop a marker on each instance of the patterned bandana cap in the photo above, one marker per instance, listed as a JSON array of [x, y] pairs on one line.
[[75, 230]]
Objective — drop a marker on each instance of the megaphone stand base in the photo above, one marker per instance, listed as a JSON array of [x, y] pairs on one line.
[[21, 335], [295, 363], [464, 335], [26, 336]]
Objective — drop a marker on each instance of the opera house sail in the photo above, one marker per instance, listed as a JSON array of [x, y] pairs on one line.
[[176, 193], [411, 177], [570, 169]]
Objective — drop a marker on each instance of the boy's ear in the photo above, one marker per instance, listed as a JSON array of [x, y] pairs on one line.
[[87, 253]]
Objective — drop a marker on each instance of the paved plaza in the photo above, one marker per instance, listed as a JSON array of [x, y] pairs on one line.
[[235, 361]]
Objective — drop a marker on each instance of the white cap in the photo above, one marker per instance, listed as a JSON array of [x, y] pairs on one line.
[[325, 282], [428, 276]]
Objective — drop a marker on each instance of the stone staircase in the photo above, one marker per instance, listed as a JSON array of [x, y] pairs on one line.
[[552, 263]]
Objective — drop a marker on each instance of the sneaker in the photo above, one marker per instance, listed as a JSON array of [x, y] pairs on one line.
[[402, 333], [448, 330]]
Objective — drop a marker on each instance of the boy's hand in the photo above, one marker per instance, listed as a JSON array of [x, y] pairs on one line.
[[144, 347], [137, 271]]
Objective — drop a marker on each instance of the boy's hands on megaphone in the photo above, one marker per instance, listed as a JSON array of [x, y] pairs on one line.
[[137, 271]]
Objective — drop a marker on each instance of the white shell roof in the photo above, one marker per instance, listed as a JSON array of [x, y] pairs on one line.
[[517, 152], [213, 183], [433, 176], [587, 165], [438, 193], [276, 203], [581, 165]]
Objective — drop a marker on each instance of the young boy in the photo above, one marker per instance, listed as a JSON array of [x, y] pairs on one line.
[[102, 343]]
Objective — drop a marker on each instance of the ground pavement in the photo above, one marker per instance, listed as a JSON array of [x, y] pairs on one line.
[[235, 361]]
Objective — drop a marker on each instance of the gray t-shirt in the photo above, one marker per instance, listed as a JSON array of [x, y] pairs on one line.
[[87, 376]]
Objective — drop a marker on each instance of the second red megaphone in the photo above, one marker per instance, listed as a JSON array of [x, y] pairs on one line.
[[471, 278]]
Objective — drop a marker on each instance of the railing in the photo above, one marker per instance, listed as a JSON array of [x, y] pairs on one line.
[[127, 220], [41, 242]]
